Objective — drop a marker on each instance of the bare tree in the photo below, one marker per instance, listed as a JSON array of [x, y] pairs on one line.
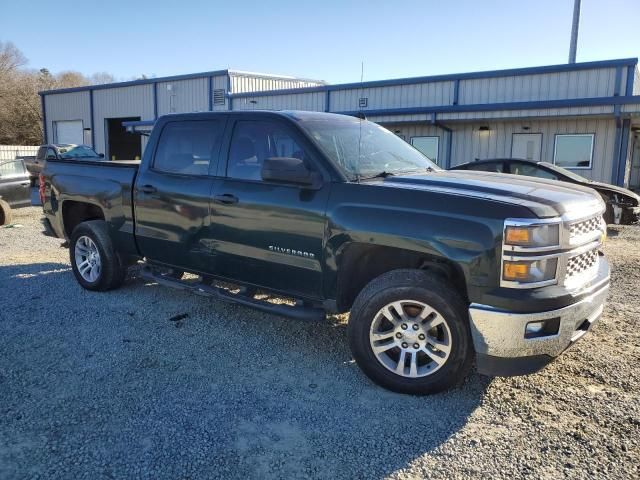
[[70, 79], [10, 58], [20, 107], [100, 78]]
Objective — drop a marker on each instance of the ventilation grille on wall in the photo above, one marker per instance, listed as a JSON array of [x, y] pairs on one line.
[[218, 96]]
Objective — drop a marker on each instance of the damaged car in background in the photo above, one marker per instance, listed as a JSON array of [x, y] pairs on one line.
[[623, 205]]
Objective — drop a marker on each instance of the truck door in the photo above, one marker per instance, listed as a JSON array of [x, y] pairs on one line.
[[173, 191], [268, 234]]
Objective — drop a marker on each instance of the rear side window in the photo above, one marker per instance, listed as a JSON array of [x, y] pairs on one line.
[[10, 169], [253, 141], [188, 148]]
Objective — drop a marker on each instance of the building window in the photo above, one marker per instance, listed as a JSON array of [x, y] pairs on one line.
[[428, 146], [574, 151]]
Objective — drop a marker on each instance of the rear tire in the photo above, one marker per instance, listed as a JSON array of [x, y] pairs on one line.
[[95, 263], [6, 216], [409, 332]]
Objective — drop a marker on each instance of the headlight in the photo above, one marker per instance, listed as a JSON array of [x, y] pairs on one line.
[[529, 271], [532, 236]]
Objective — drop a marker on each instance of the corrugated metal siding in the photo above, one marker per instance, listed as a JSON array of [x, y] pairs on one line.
[[299, 101], [243, 83], [394, 119], [183, 96], [636, 82], [399, 96], [549, 86], [469, 143], [136, 101], [422, 130], [541, 112], [67, 106]]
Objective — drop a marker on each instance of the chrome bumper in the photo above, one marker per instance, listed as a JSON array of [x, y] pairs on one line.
[[498, 333]]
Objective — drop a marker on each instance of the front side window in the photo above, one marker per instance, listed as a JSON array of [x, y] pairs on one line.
[[530, 170], [574, 151], [51, 153], [363, 149], [11, 169], [188, 148], [428, 146], [253, 142]]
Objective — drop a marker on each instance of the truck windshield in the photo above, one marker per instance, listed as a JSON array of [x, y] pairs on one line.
[[364, 149], [76, 151]]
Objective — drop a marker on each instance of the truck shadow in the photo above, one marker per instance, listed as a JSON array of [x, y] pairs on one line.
[[254, 391]]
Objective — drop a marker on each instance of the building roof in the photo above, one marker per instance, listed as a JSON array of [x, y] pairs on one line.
[[324, 86]]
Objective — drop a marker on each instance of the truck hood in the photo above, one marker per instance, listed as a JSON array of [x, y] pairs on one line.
[[545, 198]]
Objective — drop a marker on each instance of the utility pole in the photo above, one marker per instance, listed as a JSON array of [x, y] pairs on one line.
[[574, 32]]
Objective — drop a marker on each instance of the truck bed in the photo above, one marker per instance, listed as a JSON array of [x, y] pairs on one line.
[[107, 185]]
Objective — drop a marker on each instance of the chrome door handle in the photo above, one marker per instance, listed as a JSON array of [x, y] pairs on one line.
[[226, 199], [147, 189]]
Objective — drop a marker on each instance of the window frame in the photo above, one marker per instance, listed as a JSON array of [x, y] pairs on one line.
[[310, 161], [593, 144], [436, 160], [213, 163]]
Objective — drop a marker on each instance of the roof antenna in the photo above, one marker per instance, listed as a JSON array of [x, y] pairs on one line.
[[360, 118]]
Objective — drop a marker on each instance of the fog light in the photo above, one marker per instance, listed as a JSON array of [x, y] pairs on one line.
[[542, 329], [534, 327]]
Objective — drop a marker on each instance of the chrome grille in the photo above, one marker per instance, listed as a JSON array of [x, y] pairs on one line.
[[584, 228], [582, 263]]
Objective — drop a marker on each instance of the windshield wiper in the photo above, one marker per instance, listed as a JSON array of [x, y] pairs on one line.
[[382, 174]]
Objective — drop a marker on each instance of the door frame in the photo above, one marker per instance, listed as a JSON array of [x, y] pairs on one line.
[[527, 133]]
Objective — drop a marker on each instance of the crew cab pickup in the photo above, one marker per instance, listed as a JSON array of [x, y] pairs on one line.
[[437, 268]]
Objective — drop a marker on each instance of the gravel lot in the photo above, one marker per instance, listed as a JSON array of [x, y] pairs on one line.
[[106, 385]]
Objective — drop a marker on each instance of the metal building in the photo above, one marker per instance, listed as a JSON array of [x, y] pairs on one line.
[[582, 116]]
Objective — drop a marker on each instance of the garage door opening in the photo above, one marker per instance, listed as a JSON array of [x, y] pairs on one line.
[[120, 144]]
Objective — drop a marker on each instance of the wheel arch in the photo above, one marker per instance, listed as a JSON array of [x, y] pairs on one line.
[[359, 263], [75, 212]]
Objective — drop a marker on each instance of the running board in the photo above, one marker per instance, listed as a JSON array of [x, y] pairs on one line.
[[298, 312]]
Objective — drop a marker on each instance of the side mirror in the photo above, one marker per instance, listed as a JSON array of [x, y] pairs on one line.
[[51, 157], [101, 155], [290, 171]]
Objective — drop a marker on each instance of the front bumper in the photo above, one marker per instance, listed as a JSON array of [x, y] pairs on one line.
[[499, 335]]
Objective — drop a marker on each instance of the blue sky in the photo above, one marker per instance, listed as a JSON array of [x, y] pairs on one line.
[[321, 39]]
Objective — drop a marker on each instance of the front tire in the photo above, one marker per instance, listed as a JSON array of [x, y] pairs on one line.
[[409, 332], [94, 261]]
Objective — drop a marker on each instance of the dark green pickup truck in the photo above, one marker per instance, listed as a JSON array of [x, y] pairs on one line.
[[437, 268]]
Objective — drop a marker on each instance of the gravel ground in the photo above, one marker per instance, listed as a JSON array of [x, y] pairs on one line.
[[106, 385]]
